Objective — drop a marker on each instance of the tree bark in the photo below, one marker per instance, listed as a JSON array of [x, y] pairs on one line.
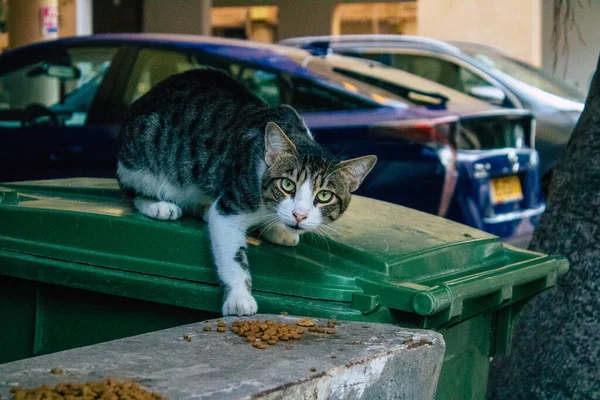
[[556, 341]]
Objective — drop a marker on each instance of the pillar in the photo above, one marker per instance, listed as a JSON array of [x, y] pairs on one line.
[[177, 16], [25, 21], [84, 25], [305, 18]]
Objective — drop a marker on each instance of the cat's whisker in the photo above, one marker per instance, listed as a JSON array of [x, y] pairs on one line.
[[331, 229], [332, 161], [267, 224], [323, 238]]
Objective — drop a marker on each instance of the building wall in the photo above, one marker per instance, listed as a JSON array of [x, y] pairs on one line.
[[177, 16], [305, 18], [579, 65], [67, 20], [513, 25]]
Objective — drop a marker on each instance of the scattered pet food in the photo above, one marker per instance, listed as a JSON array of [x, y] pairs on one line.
[[313, 369], [56, 371], [412, 344], [334, 356], [207, 328], [221, 329], [305, 322], [262, 333], [187, 338], [106, 389], [259, 345]]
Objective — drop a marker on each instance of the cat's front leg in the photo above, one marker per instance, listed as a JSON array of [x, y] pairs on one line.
[[228, 239], [281, 235]]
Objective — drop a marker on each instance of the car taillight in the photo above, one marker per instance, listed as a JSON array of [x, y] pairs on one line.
[[440, 135], [434, 132]]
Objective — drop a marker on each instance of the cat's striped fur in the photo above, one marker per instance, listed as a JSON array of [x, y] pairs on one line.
[[202, 142]]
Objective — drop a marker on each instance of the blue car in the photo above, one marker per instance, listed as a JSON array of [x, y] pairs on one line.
[[481, 71], [440, 151]]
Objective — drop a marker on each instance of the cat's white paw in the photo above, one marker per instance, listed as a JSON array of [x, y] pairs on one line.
[[281, 235], [162, 210], [239, 303]]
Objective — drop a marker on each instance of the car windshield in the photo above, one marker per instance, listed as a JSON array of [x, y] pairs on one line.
[[526, 73]]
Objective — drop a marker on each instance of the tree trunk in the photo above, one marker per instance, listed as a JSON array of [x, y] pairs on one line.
[[556, 341]]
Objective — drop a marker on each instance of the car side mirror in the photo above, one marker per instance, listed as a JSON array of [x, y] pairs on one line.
[[491, 94]]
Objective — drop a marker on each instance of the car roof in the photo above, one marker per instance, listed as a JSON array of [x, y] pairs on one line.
[[261, 53], [471, 46], [375, 41], [178, 39]]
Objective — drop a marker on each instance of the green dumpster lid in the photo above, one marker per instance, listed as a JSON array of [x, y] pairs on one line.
[[380, 255]]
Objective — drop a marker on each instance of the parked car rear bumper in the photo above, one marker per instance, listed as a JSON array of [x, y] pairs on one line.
[[515, 227]]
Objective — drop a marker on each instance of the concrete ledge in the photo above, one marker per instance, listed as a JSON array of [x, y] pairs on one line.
[[372, 361]]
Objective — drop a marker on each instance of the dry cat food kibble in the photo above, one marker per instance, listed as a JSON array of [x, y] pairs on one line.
[[56, 371], [187, 338], [207, 328], [305, 322], [109, 389], [262, 333]]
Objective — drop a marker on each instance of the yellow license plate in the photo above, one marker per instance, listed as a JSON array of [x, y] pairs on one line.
[[506, 189]]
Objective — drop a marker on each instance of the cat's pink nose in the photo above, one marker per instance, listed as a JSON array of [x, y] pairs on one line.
[[299, 217]]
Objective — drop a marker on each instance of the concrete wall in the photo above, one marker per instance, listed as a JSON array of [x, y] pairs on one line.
[[578, 66], [177, 16], [513, 25], [67, 25], [305, 18]]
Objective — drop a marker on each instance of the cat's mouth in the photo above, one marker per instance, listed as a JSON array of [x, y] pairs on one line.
[[295, 228]]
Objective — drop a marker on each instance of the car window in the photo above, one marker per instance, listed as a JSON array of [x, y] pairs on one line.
[[309, 96], [469, 80], [262, 84], [301, 93], [444, 72], [58, 90], [153, 66], [528, 74]]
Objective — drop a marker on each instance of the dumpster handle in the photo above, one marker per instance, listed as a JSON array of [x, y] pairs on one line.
[[502, 280]]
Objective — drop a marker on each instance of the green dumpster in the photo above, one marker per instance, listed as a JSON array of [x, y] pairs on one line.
[[79, 266]]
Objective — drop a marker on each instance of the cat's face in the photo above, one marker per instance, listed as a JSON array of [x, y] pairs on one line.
[[307, 190]]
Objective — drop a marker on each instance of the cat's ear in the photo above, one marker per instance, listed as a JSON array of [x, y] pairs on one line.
[[355, 170], [276, 143]]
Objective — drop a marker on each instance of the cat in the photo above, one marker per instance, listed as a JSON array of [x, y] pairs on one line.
[[201, 143]]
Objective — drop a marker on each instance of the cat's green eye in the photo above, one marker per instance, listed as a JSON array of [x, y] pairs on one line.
[[324, 196], [287, 185]]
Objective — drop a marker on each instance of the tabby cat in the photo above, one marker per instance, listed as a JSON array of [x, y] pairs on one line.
[[201, 143]]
